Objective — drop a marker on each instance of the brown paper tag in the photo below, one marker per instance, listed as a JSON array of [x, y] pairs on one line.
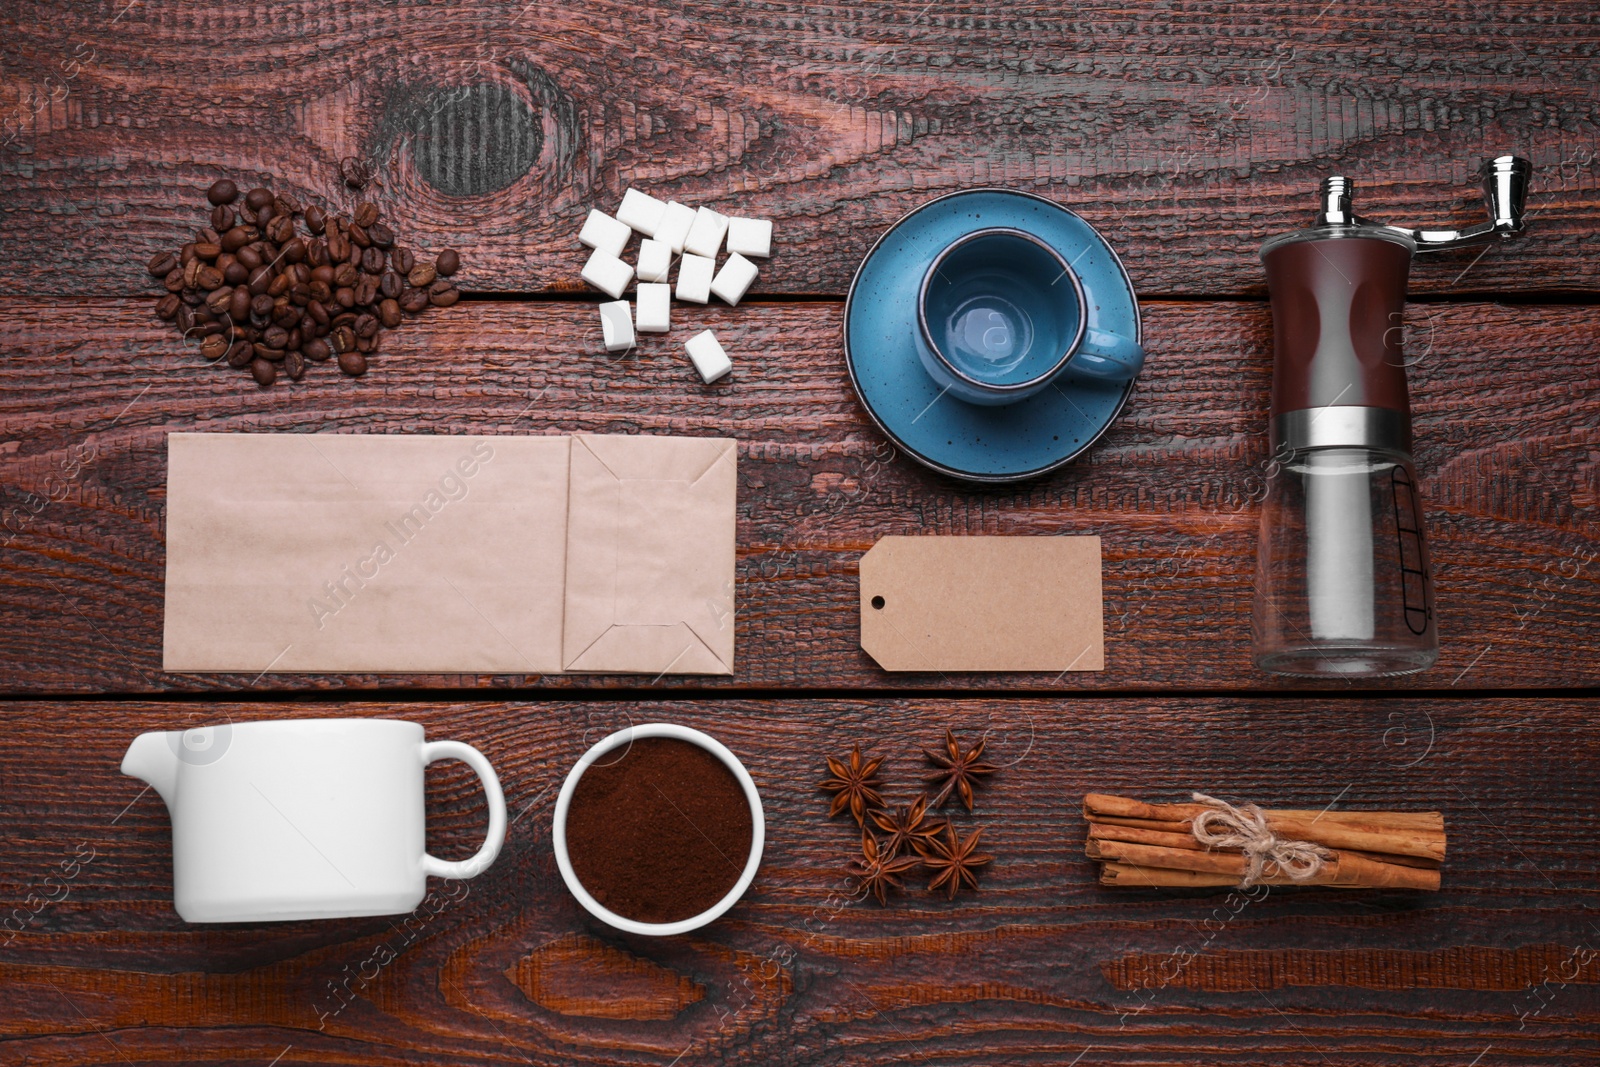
[[983, 604]]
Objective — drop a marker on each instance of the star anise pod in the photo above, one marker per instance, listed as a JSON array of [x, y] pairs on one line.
[[906, 826], [855, 785], [955, 862], [879, 869], [958, 772]]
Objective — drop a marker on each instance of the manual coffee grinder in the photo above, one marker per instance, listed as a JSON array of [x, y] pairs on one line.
[[1342, 580]]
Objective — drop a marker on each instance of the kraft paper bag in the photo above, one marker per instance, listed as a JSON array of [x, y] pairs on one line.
[[388, 553], [983, 604]]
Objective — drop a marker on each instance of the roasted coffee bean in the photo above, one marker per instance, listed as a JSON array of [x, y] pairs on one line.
[[222, 191], [344, 296], [344, 339], [344, 274], [422, 275], [222, 218], [380, 234], [280, 285], [285, 314], [366, 214], [294, 365], [275, 337], [214, 348], [193, 297], [260, 278], [366, 344], [299, 294], [298, 273], [338, 246], [353, 363], [235, 273], [265, 214], [391, 285], [167, 307], [205, 235], [366, 290], [294, 340], [449, 262], [324, 274], [344, 318], [268, 353], [442, 294], [316, 350], [316, 218], [403, 260], [280, 229], [321, 292], [389, 314], [219, 300], [413, 300], [191, 273], [240, 354], [294, 250], [246, 216], [257, 198], [174, 280], [358, 235], [248, 257], [263, 372], [239, 304], [372, 261], [355, 172], [162, 264], [317, 253], [318, 310], [186, 254], [286, 204], [208, 252], [185, 319], [261, 305], [235, 240], [366, 326], [209, 277]]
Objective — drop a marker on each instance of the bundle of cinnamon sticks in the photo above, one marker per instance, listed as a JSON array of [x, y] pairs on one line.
[[1140, 844]]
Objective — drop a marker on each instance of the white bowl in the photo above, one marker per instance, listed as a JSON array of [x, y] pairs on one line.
[[627, 736]]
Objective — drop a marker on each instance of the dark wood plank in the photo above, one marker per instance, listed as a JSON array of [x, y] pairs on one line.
[[1187, 132], [1038, 967], [1508, 466]]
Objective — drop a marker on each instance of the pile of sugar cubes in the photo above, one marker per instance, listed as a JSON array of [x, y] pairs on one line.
[[670, 230]]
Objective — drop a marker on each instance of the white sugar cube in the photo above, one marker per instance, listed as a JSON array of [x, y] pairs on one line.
[[641, 211], [674, 228], [655, 307], [709, 358], [694, 278], [705, 236], [605, 234], [734, 279], [616, 323], [607, 273], [655, 260], [750, 237]]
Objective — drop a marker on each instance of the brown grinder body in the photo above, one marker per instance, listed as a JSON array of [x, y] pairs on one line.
[[1337, 308]]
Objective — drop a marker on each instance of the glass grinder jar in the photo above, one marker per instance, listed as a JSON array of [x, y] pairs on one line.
[[1342, 583]]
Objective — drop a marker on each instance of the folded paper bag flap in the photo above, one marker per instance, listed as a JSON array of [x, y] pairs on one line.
[[983, 604], [650, 555]]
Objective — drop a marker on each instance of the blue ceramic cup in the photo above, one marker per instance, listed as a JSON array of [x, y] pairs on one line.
[[1002, 315]]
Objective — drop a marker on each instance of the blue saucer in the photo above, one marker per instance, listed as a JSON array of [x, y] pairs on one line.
[[881, 342]]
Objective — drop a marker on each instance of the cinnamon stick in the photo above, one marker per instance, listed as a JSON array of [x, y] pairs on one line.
[[1342, 869], [1419, 834]]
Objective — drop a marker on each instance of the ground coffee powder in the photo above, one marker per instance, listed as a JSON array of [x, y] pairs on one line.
[[660, 832]]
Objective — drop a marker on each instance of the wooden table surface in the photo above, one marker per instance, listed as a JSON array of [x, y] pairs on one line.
[[1186, 133]]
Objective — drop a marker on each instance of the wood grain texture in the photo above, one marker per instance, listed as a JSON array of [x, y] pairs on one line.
[[1509, 451], [1038, 966], [1186, 131]]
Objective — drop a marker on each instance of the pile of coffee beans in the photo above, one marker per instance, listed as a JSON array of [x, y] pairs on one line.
[[267, 299]]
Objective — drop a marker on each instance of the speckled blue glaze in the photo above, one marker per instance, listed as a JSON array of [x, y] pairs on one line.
[[882, 344]]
